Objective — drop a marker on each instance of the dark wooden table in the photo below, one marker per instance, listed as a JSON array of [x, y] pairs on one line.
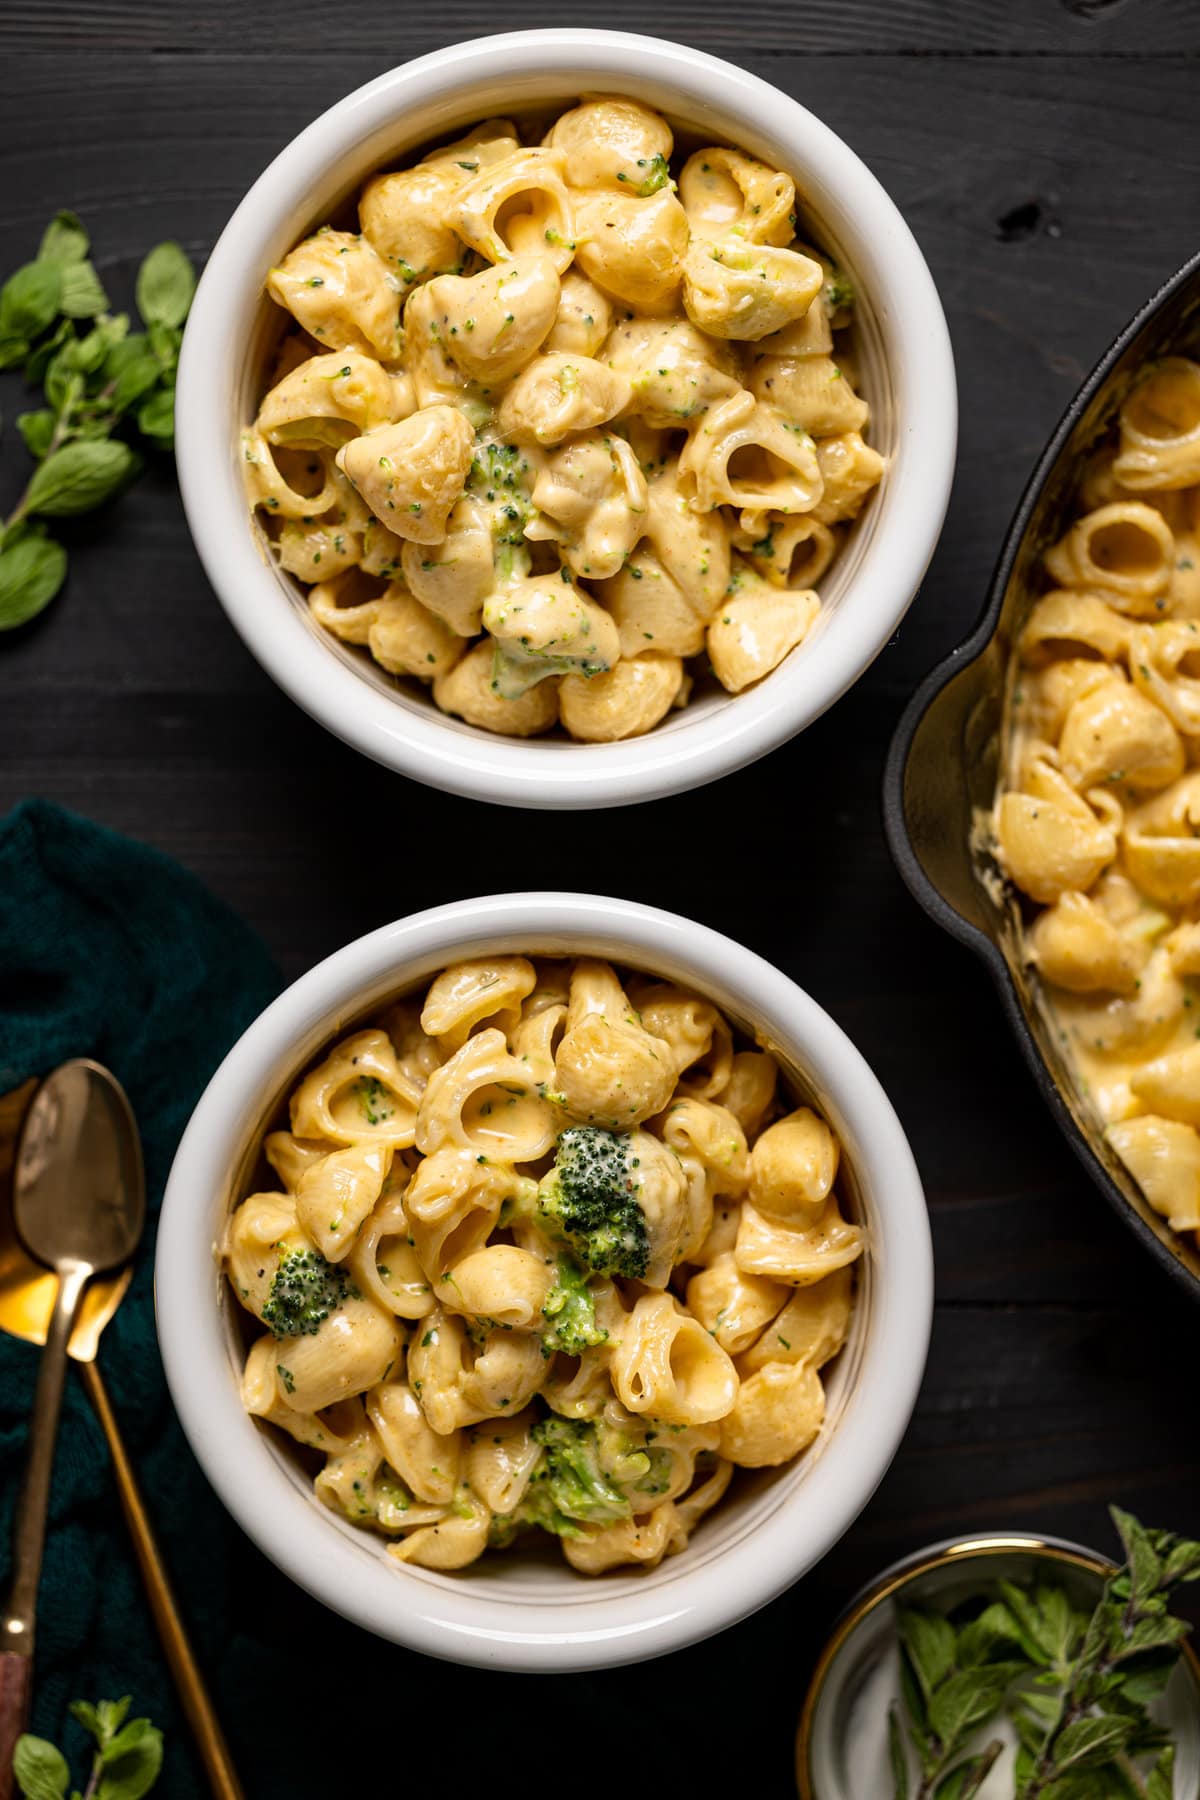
[[1046, 154]]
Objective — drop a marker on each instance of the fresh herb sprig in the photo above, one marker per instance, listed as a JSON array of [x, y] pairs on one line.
[[125, 1764], [1075, 1686], [103, 384]]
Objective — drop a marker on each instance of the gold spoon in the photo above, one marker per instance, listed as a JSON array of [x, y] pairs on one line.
[[27, 1303]]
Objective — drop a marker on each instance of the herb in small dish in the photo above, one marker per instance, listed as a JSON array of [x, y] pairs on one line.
[[1075, 1687]]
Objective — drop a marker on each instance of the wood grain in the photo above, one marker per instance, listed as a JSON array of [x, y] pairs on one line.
[[822, 28], [1046, 156]]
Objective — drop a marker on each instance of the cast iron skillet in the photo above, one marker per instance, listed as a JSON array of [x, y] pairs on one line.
[[943, 761]]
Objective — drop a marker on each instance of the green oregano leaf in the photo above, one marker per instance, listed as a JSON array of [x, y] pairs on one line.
[[1182, 1562], [928, 1638], [1148, 1679], [80, 476], [37, 429], [1145, 1566], [132, 1762], [64, 240], [103, 1720], [1160, 1783], [1088, 1743], [994, 1629], [165, 284], [156, 417], [965, 1780], [43, 354], [966, 1698], [32, 569], [40, 1769], [1037, 1642], [165, 341], [130, 370], [29, 300], [82, 294]]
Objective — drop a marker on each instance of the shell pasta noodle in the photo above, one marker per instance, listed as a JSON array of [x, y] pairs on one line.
[[560, 431], [1098, 821], [546, 1249]]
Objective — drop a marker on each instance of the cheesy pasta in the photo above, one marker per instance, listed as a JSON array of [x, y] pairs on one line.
[[557, 432], [1098, 821], [548, 1250]]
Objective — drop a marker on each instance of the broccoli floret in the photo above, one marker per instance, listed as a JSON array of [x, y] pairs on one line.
[[498, 475], [304, 1291], [838, 294], [658, 176], [497, 471], [572, 1475], [653, 173], [571, 1310], [583, 1478], [536, 1508], [589, 1198], [515, 672], [502, 1530]]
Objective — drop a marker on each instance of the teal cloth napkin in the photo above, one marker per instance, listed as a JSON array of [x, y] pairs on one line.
[[108, 949]]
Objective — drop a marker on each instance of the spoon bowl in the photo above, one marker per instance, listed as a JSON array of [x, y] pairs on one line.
[[27, 1288], [79, 1193]]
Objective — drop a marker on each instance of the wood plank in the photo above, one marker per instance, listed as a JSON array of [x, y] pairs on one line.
[[824, 27]]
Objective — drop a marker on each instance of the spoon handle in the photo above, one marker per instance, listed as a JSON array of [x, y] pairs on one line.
[[189, 1682], [29, 1538]]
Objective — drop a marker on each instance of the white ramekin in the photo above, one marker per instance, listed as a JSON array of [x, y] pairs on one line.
[[907, 371], [519, 1610]]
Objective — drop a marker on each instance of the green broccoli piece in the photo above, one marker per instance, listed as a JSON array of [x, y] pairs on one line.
[[536, 1508], [589, 1198], [515, 672], [838, 292], [658, 175], [502, 1530], [498, 474], [374, 1099], [657, 1476], [571, 1309], [572, 1474], [304, 1291], [583, 1478], [497, 471]]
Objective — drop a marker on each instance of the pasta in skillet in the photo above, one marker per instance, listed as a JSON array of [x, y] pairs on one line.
[[1098, 818], [548, 1252], [557, 432]]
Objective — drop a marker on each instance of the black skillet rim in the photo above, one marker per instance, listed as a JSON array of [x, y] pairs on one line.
[[896, 828]]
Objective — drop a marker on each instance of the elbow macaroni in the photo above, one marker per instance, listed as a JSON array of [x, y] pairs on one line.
[[436, 1369], [563, 362], [1098, 814]]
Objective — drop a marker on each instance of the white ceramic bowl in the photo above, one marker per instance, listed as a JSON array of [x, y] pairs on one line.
[[518, 1610], [907, 371]]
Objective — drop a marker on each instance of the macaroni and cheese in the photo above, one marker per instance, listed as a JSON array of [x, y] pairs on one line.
[[557, 431], [549, 1249], [1098, 822]]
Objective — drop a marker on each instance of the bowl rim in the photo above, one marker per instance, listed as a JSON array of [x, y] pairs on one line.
[[893, 1579], [900, 844], [438, 1616], [444, 753]]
